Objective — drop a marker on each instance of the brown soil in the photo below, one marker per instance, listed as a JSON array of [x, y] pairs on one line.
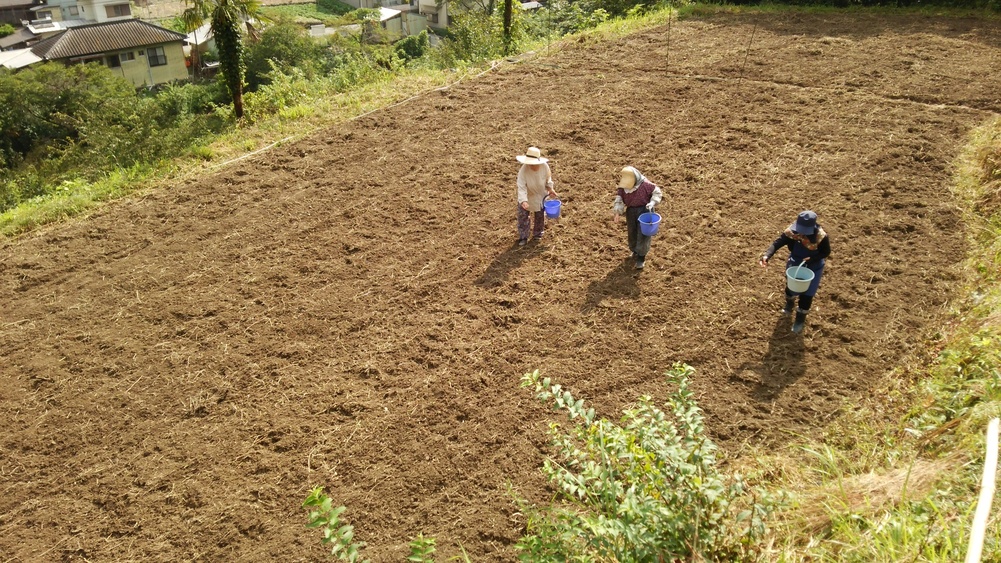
[[349, 311]]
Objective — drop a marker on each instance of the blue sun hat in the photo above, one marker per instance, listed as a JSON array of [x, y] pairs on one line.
[[806, 223]]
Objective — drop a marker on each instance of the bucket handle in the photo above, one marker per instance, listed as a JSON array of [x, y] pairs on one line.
[[796, 273]]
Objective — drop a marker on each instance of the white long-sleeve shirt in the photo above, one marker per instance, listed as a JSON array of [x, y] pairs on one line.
[[533, 186]]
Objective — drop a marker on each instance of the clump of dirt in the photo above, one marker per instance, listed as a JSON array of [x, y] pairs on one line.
[[351, 311]]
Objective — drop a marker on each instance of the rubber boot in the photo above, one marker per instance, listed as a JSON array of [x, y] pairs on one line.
[[640, 261], [790, 306], [800, 322]]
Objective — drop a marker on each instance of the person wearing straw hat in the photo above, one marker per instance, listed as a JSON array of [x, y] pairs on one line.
[[636, 195], [535, 181], [810, 246]]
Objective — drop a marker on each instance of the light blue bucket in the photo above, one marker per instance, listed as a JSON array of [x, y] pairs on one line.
[[552, 208], [798, 278]]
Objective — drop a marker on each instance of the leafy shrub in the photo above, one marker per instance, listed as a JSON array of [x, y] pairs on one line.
[[413, 47], [6, 29], [572, 17], [287, 46], [284, 89], [335, 7], [472, 37], [647, 489]]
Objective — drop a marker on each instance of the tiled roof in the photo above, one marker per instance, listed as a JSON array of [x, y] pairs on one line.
[[103, 38]]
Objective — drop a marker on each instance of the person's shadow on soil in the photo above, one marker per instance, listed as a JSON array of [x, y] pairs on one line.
[[505, 262], [782, 364], [618, 283]]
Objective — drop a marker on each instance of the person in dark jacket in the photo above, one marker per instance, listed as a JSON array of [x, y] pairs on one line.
[[635, 195], [808, 245]]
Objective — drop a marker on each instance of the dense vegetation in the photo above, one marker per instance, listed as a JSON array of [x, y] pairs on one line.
[[81, 125]]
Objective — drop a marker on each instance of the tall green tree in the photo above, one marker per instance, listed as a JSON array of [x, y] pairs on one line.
[[225, 16]]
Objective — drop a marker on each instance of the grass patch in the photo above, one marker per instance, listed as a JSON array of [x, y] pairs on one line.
[[329, 12]]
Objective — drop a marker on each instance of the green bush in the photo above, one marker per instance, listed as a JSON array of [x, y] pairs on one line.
[[6, 29], [287, 46], [645, 490], [335, 7], [413, 47], [472, 37]]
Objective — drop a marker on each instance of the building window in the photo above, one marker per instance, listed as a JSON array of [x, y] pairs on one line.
[[114, 61], [118, 10], [130, 56], [74, 11], [156, 56], [45, 15]]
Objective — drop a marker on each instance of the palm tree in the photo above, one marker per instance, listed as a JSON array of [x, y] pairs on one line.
[[225, 17]]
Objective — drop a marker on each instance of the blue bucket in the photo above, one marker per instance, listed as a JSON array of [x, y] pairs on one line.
[[649, 224], [552, 208]]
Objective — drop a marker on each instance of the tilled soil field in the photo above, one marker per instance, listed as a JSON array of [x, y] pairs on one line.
[[351, 311]]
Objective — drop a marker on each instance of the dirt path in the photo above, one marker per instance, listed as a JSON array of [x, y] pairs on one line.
[[349, 311]]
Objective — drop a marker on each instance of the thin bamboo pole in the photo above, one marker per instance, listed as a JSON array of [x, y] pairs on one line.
[[987, 484]]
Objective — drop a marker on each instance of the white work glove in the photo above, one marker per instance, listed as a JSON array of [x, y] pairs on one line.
[[650, 206]]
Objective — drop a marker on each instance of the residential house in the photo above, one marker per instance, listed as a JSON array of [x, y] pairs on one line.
[[95, 11], [16, 11], [17, 59], [141, 52], [46, 18], [436, 12]]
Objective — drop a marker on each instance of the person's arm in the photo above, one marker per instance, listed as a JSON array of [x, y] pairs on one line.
[[824, 248], [618, 207], [522, 188], [778, 243], [550, 183], [655, 197]]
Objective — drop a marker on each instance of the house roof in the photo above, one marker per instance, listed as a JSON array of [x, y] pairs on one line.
[[18, 58], [20, 36], [201, 35], [387, 14], [16, 3], [103, 38]]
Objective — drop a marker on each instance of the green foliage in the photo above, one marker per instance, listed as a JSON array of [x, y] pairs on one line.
[[421, 549], [572, 17], [285, 89], [329, 12], [78, 122], [282, 46], [645, 490], [333, 7], [472, 37], [338, 534], [6, 29], [413, 47]]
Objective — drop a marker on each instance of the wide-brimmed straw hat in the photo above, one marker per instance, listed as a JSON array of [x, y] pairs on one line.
[[532, 156]]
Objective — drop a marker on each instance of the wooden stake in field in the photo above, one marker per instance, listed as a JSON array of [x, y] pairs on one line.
[[668, 60], [983, 513], [747, 52]]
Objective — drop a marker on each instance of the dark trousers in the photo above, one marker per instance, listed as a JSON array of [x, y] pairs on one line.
[[638, 242], [805, 301]]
